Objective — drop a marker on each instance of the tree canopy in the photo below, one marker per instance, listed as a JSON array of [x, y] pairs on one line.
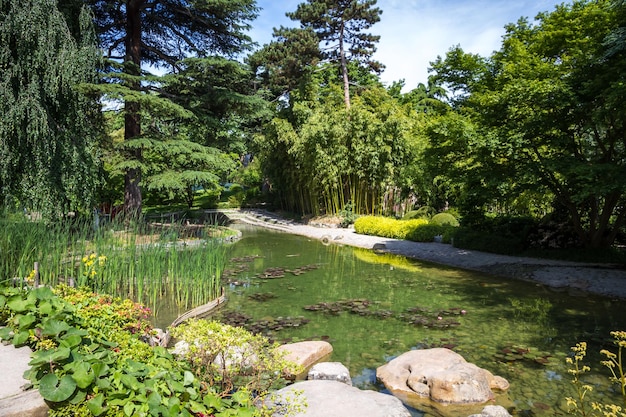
[[340, 26], [48, 129], [549, 112], [138, 32]]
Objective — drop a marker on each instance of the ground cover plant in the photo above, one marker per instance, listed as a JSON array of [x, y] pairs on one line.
[[91, 358]]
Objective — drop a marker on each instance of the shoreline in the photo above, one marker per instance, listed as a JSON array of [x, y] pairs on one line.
[[578, 278]]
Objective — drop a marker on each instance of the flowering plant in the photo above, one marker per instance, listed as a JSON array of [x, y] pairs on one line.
[[91, 266]]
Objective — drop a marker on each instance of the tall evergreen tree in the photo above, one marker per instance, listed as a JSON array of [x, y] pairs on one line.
[[48, 159], [286, 63], [340, 25], [162, 33]]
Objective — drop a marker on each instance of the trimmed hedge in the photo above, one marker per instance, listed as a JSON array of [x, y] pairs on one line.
[[424, 212], [427, 233], [386, 227]]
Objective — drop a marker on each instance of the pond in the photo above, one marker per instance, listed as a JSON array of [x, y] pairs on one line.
[[372, 307]]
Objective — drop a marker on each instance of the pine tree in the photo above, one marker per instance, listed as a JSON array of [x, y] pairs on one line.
[[138, 32], [340, 25]]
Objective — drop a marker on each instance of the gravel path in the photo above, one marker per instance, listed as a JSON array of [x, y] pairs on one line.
[[601, 279]]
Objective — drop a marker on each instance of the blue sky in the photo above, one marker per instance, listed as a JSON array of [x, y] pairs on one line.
[[414, 32]]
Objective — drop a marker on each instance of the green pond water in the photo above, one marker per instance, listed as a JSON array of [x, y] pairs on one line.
[[518, 330]]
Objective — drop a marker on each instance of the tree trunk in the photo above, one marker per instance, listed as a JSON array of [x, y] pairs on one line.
[[132, 121], [344, 69]]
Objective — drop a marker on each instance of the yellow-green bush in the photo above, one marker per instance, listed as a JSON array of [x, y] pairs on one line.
[[387, 227]]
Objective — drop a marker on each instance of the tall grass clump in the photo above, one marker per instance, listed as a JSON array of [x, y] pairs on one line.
[[125, 261]]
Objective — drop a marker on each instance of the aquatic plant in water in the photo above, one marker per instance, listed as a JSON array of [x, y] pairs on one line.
[[265, 326], [514, 353], [418, 316], [116, 260]]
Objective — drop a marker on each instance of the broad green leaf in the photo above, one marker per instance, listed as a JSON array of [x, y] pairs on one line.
[[46, 308], [41, 357], [19, 304], [54, 327], [43, 293], [55, 390], [189, 378], [5, 333], [26, 321], [83, 375], [20, 338], [96, 405], [154, 400], [129, 409], [70, 340], [79, 397], [131, 382]]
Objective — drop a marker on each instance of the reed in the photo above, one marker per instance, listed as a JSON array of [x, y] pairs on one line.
[[116, 260]]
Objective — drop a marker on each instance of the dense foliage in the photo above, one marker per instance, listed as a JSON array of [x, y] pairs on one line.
[[540, 124], [534, 130], [48, 129], [139, 32], [91, 358]]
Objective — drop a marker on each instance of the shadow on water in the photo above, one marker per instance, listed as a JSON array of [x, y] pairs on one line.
[[515, 329]]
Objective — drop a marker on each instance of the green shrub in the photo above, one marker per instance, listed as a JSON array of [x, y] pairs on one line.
[[426, 233], [424, 212], [348, 216], [444, 219], [448, 234], [481, 241], [386, 227], [225, 357]]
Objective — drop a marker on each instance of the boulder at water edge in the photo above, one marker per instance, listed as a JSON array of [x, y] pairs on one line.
[[438, 375], [335, 399], [306, 354], [330, 371]]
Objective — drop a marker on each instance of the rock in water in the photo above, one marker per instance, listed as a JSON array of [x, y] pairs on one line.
[[330, 371], [440, 375]]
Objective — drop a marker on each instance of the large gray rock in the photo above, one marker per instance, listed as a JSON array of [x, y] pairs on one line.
[[14, 401], [336, 399], [438, 375], [330, 371]]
